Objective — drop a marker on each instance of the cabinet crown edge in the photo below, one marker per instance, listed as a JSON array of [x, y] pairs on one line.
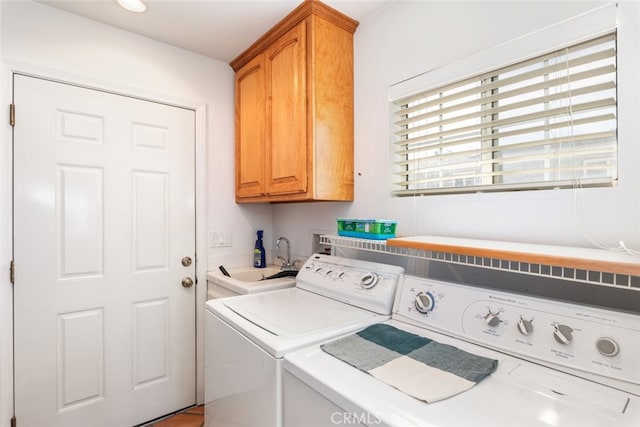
[[299, 14]]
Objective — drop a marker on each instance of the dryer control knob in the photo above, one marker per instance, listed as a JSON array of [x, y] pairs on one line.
[[424, 302], [525, 327], [607, 347], [563, 334], [492, 319]]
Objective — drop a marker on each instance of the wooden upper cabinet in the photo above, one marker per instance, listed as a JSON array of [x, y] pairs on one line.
[[294, 110], [250, 129]]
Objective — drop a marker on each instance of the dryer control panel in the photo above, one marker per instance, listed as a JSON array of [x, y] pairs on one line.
[[599, 341]]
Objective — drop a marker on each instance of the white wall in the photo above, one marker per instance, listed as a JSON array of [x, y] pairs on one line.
[[48, 42], [411, 37]]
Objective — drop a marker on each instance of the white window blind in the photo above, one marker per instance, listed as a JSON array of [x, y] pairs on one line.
[[549, 121]]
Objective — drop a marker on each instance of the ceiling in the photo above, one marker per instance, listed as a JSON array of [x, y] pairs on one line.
[[219, 29]]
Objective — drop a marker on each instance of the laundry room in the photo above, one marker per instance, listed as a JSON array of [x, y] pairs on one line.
[[101, 209]]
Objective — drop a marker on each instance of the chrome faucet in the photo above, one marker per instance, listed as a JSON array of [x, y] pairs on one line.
[[286, 262]]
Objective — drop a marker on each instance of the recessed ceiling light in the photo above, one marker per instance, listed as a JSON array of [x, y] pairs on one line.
[[133, 5]]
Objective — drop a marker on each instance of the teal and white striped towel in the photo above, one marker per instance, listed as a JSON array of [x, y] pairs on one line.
[[417, 366]]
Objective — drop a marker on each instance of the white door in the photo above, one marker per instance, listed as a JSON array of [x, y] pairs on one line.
[[104, 212]]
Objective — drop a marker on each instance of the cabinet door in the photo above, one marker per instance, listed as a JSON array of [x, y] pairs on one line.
[[250, 129], [287, 154]]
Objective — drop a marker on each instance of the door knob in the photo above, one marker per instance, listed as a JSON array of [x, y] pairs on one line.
[[186, 261], [187, 282]]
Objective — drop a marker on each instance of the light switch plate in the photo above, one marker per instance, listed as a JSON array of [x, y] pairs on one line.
[[220, 239]]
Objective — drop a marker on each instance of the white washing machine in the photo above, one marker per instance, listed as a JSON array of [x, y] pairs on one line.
[[558, 364], [247, 336]]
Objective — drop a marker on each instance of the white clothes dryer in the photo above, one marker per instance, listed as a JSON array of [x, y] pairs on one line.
[[247, 336], [558, 365]]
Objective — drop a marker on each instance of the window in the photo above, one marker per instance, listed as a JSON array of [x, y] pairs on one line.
[[549, 121]]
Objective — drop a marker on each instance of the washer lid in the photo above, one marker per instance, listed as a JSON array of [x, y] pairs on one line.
[[292, 312]]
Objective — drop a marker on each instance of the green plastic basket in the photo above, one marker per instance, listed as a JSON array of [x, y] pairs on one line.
[[377, 229]]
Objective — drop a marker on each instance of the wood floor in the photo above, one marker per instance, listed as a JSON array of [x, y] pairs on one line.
[[192, 417]]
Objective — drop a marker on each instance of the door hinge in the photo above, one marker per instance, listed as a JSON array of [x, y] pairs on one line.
[[12, 114], [12, 272], [14, 422]]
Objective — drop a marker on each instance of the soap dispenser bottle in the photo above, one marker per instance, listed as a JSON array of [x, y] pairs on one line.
[[259, 253]]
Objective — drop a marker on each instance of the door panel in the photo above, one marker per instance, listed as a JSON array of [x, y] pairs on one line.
[[250, 129], [150, 220], [79, 221], [151, 353], [287, 135], [104, 210], [80, 357]]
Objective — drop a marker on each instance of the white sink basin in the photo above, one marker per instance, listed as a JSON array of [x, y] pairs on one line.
[[248, 280], [251, 274]]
